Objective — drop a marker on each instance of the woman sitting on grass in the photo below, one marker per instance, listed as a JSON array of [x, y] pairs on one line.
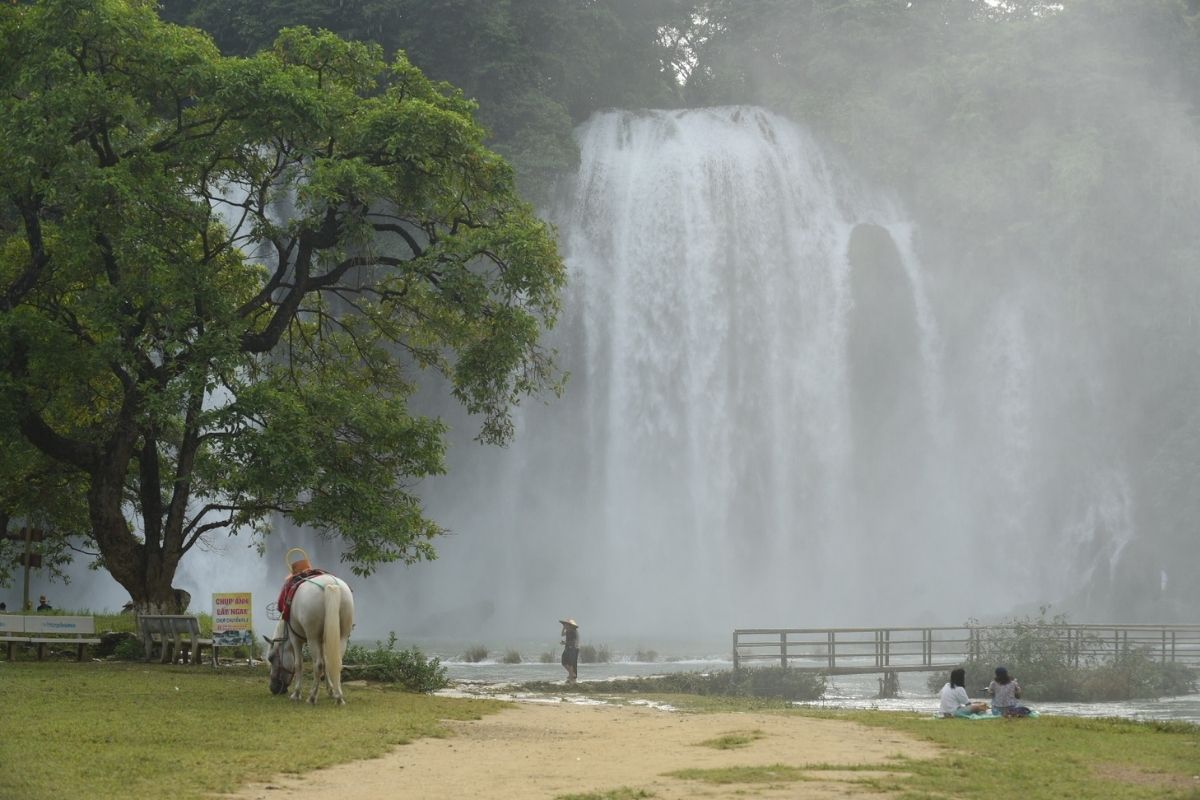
[[955, 702], [1005, 692]]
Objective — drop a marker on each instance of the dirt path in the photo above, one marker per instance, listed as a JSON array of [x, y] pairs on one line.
[[547, 750]]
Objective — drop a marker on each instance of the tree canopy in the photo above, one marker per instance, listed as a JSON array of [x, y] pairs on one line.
[[221, 276], [537, 67]]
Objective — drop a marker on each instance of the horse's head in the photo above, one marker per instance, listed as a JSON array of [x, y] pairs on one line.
[[279, 656]]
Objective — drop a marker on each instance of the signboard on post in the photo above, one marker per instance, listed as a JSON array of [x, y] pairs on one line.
[[232, 621]]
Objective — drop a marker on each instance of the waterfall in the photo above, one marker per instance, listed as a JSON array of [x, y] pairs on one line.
[[750, 426]]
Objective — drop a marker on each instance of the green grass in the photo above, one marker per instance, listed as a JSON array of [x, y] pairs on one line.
[[732, 740], [119, 730], [624, 793], [772, 773], [1050, 757]]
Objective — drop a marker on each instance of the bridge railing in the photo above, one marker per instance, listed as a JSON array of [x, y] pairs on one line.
[[932, 648]]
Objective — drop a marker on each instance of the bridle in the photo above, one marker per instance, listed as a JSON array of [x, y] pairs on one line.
[[278, 671]]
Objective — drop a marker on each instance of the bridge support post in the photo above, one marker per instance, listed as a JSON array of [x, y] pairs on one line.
[[889, 685]]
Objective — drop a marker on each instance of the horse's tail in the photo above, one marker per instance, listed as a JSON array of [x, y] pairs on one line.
[[332, 639]]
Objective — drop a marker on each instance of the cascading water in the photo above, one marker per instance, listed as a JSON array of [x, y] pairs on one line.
[[749, 434]]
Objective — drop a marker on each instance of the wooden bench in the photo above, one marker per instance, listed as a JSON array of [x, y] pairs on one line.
[[40, 630], [176, 636]]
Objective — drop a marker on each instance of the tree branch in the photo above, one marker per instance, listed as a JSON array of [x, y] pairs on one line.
[[38, 257]]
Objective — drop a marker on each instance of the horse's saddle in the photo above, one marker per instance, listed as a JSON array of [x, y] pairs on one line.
[[284, 604]]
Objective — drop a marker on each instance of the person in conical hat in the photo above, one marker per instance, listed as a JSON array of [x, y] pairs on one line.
[[570, 641]]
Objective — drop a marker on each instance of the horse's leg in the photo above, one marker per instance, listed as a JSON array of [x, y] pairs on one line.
[[318, 673], [327, 680], [298, 660], [339, 616]]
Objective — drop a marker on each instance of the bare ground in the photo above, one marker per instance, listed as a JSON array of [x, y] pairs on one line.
[[540, 750]]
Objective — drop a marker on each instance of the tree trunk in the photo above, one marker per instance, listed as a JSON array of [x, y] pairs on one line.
[[145, 570], [148, 581]]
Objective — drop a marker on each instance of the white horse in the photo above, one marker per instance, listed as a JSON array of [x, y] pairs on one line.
[[322, 612]]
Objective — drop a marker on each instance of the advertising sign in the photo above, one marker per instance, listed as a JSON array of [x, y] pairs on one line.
[[232, 620]]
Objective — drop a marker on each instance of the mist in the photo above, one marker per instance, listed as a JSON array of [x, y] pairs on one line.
[[882, 314], [814, 386]]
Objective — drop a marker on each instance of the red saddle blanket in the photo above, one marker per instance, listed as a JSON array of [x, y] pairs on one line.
[[284, 604]]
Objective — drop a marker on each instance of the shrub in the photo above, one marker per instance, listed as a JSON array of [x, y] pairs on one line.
[[511, 657], [408, 668], [128, 650], [475, 654], [546, 658], [594, 654], [645, 655], [1039, 654], [1135, 675]]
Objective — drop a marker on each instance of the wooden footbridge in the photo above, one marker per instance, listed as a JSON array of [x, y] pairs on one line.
[[860, 651]]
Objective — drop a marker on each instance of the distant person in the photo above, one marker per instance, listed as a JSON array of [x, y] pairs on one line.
[[3, 606], [43, 605], [570, 656], [955, 702], [1005, 692]]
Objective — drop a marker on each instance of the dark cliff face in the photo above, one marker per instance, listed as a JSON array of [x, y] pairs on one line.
[[885, 365]]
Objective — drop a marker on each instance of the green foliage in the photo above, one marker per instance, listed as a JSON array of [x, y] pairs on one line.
[[546, 658], [646, 655], [511, 657], [475, 654], [129, 650], [223, 278], [1053, 661], [409, 669], [594, 654], [536, 69], [1134, 674]]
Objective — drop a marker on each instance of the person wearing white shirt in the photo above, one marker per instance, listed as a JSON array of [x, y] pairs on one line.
[[954, 699]]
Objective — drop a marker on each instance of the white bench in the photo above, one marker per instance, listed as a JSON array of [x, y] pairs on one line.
[[40, 630], [177, 635]]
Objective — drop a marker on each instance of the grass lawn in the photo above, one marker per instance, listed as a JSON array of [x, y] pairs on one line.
[[1048, 757], [132, 730], [1028, 759]]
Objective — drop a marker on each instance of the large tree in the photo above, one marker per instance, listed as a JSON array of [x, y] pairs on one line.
[[221, 277]]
